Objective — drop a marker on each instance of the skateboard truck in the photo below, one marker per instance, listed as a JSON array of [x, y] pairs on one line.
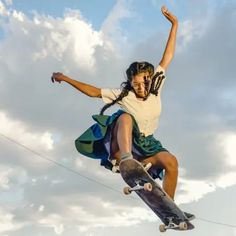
[[147, 187], [116, 169], [172, 225]]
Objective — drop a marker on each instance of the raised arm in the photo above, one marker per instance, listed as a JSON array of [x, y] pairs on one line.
[[87, 89], [171, 42]]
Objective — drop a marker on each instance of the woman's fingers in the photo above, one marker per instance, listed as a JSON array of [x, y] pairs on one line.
[[56, 77], [168, 14], [164, 8]]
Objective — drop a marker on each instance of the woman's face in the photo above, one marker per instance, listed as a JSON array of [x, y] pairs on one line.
[[141, 84]]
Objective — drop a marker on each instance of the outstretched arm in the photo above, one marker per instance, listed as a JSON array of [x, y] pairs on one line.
[[87, 89], [171, 42]]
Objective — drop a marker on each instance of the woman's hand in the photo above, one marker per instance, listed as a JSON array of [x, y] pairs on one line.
[[58, 77], [173, 19]]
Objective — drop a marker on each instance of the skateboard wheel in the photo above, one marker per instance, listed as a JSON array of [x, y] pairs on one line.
[[162, 228], [148, 187], [127, 190], [183, 226]]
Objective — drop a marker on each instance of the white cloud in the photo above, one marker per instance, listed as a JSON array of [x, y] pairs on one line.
[[111, 26], [69, 37], [53, 221], [85, 44], [6, 222], [79, 164], [76, 36], [228, 144], [4, 179], [190, 30], [226, 180], [11, 178], [119, 216], [19, 131], [69, 40], [3, 9], [193, 190], [186, 31], [57, 181], [41, 208], [18, 16]]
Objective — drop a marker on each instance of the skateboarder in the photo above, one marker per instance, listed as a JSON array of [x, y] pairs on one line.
[[128, 133]]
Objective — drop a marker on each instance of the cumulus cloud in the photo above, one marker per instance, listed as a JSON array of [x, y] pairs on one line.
[[193, 190], [190, 30], [16, 129], [226, 180], [53, 221], [3, 9], [228, 141], [12, 177], [111, 26], [6, 222], [114, 216]]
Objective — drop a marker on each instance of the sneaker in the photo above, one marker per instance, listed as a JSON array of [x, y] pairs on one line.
[[189, 216]]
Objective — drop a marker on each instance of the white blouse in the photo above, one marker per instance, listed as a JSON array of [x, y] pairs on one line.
[[146, 113]]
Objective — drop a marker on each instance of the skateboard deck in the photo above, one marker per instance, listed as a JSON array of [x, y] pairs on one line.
[[153, 195]]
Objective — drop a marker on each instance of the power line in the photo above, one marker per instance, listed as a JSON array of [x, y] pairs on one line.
[[59, 164], [91, 179], [216, 223]]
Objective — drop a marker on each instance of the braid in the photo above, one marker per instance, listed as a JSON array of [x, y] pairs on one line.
[[126, 87]]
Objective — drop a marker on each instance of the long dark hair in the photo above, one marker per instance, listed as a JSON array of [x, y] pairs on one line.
[[134, 69]]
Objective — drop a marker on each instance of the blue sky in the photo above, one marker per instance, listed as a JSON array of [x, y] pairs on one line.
[[94, 11], [94, 42]]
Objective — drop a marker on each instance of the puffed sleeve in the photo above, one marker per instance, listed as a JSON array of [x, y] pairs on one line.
[[108, 95], [159, 69], [160, 80]]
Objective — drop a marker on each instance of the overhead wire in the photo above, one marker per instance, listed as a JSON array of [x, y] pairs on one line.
[[216, 223], [59, 164]]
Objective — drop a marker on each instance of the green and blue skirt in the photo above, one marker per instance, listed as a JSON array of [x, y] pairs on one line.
[[95, 142]]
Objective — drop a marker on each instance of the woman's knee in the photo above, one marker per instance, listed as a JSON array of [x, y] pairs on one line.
[[125, 118], [169, 162]]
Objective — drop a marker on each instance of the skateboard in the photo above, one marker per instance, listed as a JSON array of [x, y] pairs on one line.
[[139, 180]]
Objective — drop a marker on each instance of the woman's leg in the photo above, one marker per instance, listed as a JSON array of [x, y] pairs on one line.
[[121, 141], [169, 163]]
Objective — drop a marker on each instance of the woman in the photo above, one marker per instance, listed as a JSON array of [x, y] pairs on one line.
[[128, 133]]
